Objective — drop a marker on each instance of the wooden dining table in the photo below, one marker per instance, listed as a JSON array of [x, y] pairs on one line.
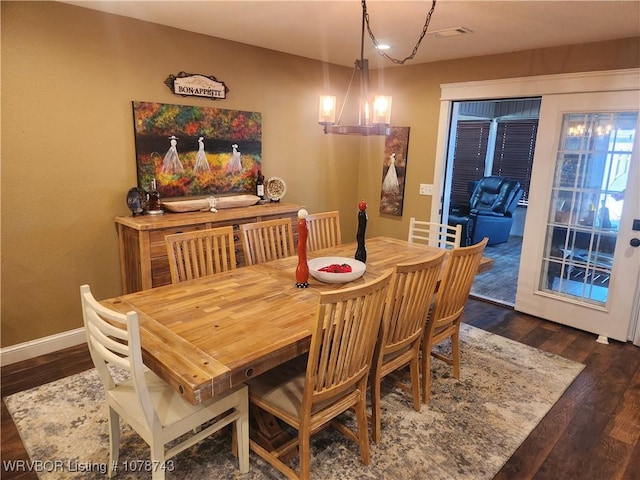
[[207, 335]]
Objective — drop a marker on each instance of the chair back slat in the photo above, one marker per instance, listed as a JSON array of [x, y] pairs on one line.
[[109, 356], [435, 234], [343, 338], [267, 240], [200, 253], [112, 345], [455, 286], [410, 295], [324, 230]]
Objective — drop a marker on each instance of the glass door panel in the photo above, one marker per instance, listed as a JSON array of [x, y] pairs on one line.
[[592, 166]]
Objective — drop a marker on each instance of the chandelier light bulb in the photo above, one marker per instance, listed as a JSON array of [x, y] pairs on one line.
[[327, 109], [382, 109]]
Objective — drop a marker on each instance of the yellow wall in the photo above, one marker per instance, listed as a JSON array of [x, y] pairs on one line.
[[416, 104], [69, 76]]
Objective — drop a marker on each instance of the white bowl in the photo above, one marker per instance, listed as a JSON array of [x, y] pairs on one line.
[[357, 269]]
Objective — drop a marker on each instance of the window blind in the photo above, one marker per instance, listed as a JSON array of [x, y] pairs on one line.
[[514, 149], [468, 158]]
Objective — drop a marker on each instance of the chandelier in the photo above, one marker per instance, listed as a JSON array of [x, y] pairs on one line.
[[374, 117]]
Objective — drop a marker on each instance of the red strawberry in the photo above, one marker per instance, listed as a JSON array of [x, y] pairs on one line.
[[336, 268]]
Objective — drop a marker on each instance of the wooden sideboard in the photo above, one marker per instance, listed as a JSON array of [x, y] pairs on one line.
[[143, 253]]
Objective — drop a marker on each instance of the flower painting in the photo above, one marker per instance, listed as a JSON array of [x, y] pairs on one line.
[[394, 168], [196, 151]]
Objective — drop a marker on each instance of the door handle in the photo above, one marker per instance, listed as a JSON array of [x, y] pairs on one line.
[[635, 242]]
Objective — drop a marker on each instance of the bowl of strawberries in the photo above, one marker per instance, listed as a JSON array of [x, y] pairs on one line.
[[336, 269]]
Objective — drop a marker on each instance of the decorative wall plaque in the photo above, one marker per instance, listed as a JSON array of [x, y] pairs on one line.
[[197, 85]]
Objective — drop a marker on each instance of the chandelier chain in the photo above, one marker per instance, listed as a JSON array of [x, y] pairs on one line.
[[415, 49]]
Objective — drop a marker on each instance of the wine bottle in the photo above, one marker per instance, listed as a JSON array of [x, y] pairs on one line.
[[260, 185], [153, 204]]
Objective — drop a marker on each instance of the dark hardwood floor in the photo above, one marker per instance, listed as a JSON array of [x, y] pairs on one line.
[[592, 433]]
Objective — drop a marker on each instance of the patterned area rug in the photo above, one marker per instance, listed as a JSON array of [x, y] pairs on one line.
[[468, 431]]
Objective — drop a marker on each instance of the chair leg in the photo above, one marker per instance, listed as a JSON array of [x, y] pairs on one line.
[[362, 425], [114, 441], [157, 460], [414, 369], [455, 352], [242, 434], [304, 452], [426, 373], [375, 408]]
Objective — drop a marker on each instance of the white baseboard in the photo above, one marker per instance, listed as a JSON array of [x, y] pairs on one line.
[[42, 346]]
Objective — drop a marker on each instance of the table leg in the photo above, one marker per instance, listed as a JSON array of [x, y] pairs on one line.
[[265, 430]]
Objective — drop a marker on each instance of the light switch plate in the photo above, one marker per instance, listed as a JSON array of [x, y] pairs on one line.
[[426, 189]]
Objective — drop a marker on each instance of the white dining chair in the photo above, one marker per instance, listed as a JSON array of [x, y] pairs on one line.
[[157, 412], [435, 234]]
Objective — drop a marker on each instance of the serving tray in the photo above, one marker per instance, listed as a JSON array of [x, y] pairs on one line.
[[203, 204]]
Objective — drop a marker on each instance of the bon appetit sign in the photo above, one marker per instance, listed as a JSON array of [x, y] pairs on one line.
[[194, 84]]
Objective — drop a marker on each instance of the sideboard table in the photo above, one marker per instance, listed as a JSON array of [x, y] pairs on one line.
[[143, 253]]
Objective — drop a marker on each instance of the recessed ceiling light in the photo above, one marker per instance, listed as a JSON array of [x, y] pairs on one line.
[[383, 46], [450, 32]]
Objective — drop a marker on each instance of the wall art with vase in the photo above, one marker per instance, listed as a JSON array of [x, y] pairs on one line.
[[394, 169], [196, 151]]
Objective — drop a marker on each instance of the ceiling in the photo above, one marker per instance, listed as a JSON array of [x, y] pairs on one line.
[[330, 30]]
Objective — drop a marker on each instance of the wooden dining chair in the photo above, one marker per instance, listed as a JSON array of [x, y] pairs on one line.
[[157, 412], [200, 253], [443, 321], [436, 234], [408, 301], [308, 394], [267, 240], [324, 230]]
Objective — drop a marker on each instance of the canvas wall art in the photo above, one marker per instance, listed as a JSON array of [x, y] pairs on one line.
[[196, 151], [394, 169]]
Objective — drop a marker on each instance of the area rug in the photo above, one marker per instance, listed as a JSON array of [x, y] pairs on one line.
[[468, 431]]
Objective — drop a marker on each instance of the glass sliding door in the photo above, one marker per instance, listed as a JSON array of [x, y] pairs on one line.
[[579, 266], [592, 168]]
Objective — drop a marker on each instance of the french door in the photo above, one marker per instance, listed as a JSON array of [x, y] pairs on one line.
[[580, 257]]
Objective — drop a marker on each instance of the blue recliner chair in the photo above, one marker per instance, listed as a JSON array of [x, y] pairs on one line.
[[490, 211]]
